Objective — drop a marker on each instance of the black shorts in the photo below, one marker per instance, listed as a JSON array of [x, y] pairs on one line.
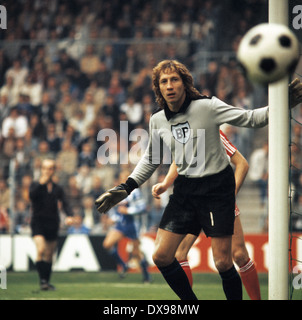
[[206, 204], [48, 229]]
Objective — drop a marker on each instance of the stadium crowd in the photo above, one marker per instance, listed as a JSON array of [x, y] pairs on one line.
[[70, 69]]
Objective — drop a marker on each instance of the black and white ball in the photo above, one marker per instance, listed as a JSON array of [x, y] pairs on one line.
[[268, 53]]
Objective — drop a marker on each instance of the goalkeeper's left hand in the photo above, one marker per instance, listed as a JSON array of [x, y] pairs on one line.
[[295, 93], [110, 198]]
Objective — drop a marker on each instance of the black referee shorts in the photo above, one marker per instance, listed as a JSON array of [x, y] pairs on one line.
[[48, 229], [206, 204]]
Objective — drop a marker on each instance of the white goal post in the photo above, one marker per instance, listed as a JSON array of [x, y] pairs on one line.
[[278, 185]]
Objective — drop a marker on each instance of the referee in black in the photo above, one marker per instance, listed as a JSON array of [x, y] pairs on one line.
[[45, 196]]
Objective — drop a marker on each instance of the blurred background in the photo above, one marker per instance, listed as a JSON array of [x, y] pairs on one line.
[[69, 69]]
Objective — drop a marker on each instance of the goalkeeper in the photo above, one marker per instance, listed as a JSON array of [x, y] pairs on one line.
[[204, 192]]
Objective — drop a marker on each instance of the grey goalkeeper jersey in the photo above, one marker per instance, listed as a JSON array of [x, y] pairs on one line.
[[191, 137]]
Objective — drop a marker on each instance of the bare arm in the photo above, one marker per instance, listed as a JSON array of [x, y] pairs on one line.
[[161, 187], [241, 169]]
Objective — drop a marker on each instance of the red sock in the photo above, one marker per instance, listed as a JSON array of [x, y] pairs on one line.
[[250, 280], [186, 268]]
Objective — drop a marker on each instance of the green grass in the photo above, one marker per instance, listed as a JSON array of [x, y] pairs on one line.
[[108, 286]]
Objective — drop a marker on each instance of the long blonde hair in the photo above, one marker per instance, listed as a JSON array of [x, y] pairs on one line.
[[168, 66]]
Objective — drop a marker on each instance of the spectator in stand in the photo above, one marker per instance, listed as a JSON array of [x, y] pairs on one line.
[[89, 212], [56, 73], [142, 83], [133, 111], [22, 159], [4, 107], [111, 109], [4, 64], [244, 101], [22, 217], [70, 68], [52, 90], [53, 140], [32, 89], [42, 153], [4, 195], [72, 136], [90, 138], [17, 73], [73, 192], [129, 65], [211, 76], [181, 46], [80, 123], [90, 62], [106, 174], [202, 28], [103, 77], [8, 145], [15, 121], [41, 56], [22, 190], [84, 179], [67, 162], [24, 105], [46, 108], [86, 156], [89, 107], [11, 91], [166, 25], [116, 89], [68, 105], [78, 227], [60, 123], [296, 163], [97, 186], [259, 170], [98, 92], [109, 58], [25, 55]]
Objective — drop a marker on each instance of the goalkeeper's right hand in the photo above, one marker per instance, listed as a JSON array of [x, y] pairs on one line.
[[110, 198]]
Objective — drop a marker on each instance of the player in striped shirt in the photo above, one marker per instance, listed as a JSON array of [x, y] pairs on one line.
[[241, 257]]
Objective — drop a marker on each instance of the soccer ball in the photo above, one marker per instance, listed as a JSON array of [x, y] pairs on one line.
[[268, 53]]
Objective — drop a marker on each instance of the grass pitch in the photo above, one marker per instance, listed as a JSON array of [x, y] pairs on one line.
[[109, 286]]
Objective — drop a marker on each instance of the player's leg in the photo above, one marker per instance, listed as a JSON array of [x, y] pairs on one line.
[[110, 244], [40, 243], [41, 265], [140, 257], [247, 268], [182, 255], [222, 254], [166, 244], [50, 247], [112, 238]]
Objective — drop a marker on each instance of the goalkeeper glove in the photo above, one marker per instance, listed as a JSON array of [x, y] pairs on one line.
[[295, 93], [110, 198]]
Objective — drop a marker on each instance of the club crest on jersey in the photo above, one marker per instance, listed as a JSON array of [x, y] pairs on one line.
[[181, 132]]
